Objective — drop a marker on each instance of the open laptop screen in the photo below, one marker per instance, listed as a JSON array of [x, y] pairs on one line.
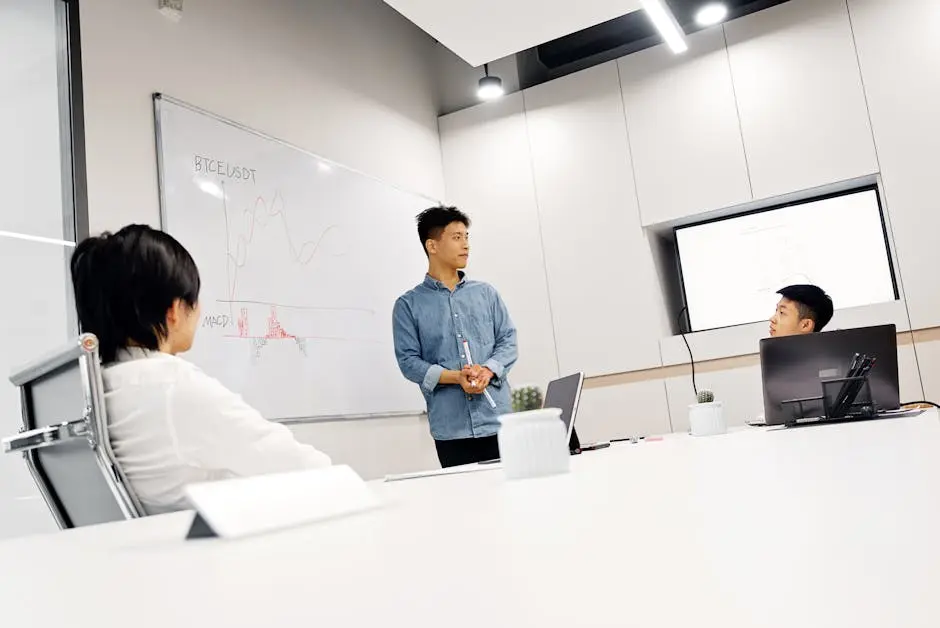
[[565, 393], [792, 368]]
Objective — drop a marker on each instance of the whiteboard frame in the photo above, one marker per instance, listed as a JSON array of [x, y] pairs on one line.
[[331, 418], [158, 99]]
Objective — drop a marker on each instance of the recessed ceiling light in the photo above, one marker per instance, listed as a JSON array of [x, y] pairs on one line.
[[711, 14]]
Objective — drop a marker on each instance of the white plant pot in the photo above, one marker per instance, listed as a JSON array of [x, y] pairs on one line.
[[707, 419]]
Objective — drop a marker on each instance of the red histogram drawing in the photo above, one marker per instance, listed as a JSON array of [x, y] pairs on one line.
[[243, 323], [273, 331], [273, 328]]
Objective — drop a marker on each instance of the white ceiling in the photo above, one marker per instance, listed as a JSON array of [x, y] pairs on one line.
[[480, 31]]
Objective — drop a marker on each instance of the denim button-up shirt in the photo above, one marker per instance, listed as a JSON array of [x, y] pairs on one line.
[[430, 325]]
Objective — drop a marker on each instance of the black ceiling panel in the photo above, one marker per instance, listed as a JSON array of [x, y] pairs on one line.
[[630, 33]]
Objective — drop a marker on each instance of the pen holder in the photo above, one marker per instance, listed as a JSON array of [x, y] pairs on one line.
[[847, 396], [803, 408]]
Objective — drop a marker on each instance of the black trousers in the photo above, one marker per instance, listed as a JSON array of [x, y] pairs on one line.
[[453, 453]]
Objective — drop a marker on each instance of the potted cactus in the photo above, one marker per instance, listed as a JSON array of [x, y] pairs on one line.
[[706, 396], [526, 398]]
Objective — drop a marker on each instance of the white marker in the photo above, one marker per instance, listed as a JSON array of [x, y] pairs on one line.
[[486, 393]]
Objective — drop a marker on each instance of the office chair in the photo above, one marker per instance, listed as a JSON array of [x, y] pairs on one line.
[[64, 438]]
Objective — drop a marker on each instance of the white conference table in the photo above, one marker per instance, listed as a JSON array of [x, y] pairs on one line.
[[822, 526]]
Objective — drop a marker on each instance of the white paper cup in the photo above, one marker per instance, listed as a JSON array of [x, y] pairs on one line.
[[707, 419], [533, 444]]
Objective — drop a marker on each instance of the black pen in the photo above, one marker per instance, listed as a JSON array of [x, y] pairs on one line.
[[632, 439], [853, 365]]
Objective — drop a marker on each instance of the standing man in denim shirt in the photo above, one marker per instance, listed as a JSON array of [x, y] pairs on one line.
[[435, 322]]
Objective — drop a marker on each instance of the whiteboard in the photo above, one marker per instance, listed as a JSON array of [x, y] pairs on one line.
[[301, 261]]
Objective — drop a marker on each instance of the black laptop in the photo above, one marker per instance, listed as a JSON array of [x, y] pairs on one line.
[[565, 394], [793, 367]]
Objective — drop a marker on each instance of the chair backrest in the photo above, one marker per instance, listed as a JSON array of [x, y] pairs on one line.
[[64, 438]]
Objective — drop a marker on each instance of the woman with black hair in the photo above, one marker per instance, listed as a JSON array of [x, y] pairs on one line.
[[170, 424]]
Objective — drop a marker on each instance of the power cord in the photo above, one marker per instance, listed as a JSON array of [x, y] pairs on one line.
[[919, 403], [684, 339]]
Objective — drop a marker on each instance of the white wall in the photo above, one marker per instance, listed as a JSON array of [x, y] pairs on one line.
[[898, 45], [801, 98], [700, 146], [927, 347], [351, 80], [374, 447], [624, 411], [590, 223]]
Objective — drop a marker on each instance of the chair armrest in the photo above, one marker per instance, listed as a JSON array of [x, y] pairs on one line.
[[47, 436]]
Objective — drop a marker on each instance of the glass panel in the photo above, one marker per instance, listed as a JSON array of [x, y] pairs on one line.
[[30, 146], [32, 323], [37, 313]]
